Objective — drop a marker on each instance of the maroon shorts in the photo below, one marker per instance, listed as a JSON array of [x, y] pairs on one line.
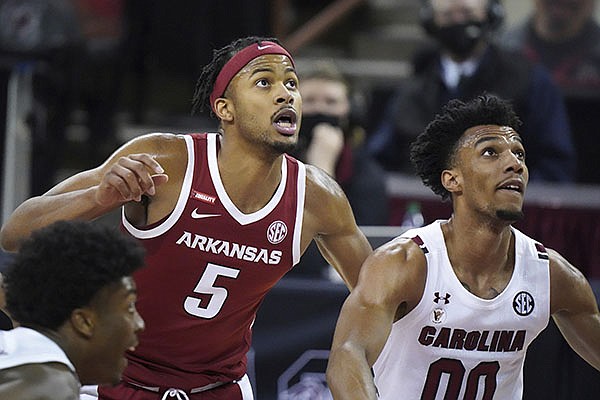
[[239, 390]]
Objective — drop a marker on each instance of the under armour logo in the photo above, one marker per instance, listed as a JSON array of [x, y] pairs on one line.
[[437, 298]]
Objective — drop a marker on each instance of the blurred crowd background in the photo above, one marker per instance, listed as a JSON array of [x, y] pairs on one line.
[[105, 70], [80, 77]]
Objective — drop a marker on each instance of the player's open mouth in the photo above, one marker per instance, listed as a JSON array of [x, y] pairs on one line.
[[514, 185], [285, 121]]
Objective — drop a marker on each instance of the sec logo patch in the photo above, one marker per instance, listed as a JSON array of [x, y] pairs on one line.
[[276, 232], [523, 304]]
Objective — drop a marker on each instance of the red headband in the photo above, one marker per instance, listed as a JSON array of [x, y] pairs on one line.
[[238, 61]]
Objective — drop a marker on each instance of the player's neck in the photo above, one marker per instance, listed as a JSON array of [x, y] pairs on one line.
[[249, 181], [482, 260], [476, 243]]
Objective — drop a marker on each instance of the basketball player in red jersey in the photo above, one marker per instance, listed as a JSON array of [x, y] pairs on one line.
[[223, 217]]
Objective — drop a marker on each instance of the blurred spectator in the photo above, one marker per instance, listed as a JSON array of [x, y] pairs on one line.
[[331, 137], [44, 35], [462, 63], [101, 66], [563, 36]]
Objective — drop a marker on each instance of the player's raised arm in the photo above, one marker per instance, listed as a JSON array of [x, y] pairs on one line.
[[129, 173]]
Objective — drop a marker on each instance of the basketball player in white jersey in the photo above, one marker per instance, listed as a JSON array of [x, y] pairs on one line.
[[449, 310], [70, 290]]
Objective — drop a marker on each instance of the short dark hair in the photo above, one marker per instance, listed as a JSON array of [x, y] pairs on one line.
[[324, 70], [61, 267], [208, 75], [434, 149]]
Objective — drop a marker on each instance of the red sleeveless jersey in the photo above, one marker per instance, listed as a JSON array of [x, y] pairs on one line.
[[208, 267]]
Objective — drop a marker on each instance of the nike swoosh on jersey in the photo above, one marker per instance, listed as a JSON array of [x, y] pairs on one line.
[[196, 215]]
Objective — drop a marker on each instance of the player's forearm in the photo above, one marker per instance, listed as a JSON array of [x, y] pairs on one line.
[[349, 376], [584, 339], [41, 211]]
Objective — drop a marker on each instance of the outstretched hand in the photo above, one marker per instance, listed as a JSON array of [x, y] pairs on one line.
[[129, 178]]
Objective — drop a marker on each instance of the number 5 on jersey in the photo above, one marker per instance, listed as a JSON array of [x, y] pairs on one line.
[[206, 285]]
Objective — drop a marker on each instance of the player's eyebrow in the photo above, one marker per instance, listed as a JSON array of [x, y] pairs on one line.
[[490, 138], [259, 70]]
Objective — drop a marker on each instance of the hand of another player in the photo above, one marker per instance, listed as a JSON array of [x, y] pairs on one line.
[[325, 147], [129, 178]]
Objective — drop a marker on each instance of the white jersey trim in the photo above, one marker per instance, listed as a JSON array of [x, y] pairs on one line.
[[431, 234], [296, 253], [179, 207], [22, 346], [240, 217]]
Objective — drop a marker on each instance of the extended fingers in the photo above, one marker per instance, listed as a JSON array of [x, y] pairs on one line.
[[149, 161], [131, 176], [124, 181]]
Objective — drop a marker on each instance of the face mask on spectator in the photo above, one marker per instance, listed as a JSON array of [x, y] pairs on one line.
[[461, 39]]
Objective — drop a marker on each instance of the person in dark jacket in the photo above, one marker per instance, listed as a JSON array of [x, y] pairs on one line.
[[332, 138], [463, 63], [564, 37]]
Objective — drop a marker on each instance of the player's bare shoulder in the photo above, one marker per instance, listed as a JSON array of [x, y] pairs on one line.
[[320, 185], [327, 212], [326, 207], [323, 194], [562, 271], [567, 283], [163, 145], [399, 253], [168, 149], [401, 267]]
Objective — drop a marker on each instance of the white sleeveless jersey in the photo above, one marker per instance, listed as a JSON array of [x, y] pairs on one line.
[[455, 345], [21, 346]]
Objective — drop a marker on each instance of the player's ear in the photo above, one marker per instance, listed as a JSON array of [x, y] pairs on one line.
[[83, 321], [223, 109], [451, 180]]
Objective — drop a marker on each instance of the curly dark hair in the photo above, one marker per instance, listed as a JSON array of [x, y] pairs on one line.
[[62, 267], [208, 75], [434, 149]]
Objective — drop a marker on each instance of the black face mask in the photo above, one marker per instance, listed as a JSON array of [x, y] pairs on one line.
[[461, 39], [309, 121]]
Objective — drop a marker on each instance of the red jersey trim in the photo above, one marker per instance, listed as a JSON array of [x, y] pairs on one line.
[[179, 207]]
